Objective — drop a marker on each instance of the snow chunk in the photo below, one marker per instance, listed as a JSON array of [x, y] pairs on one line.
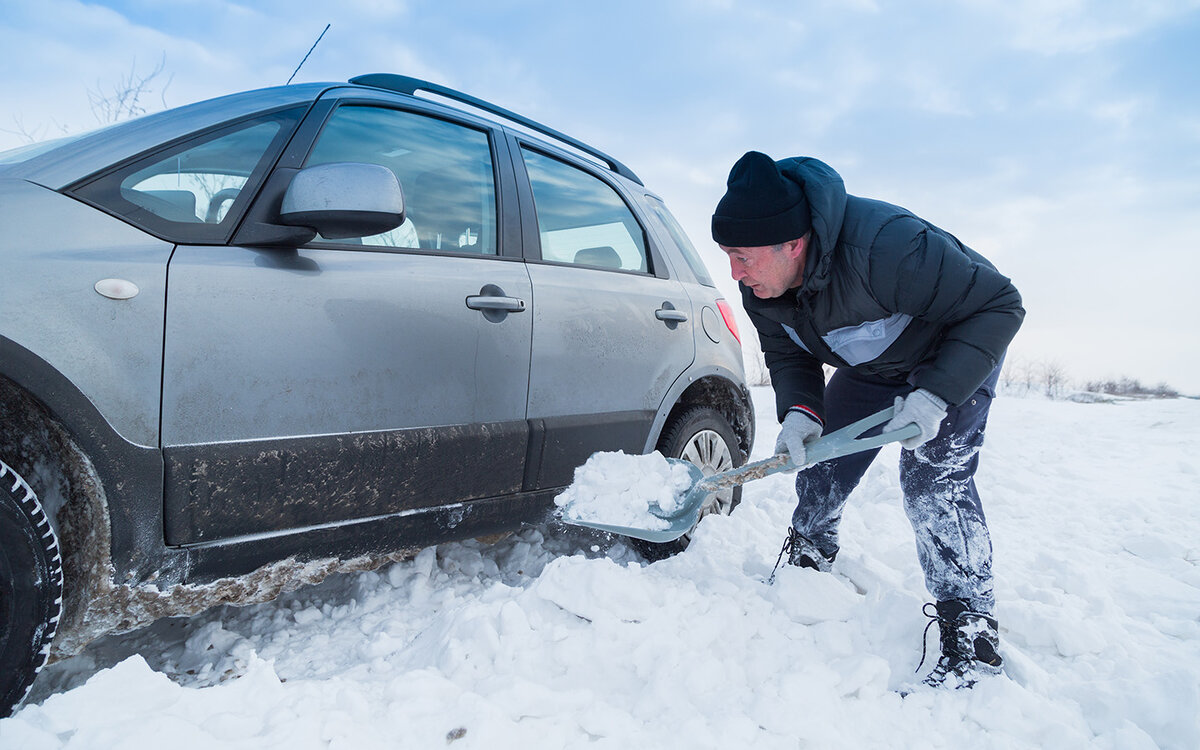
[[619, 489]]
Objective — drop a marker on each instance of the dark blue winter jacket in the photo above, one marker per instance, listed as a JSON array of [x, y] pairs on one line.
[[885, 293]]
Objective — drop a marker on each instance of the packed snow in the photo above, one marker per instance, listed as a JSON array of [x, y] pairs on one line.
[[619, 489], [554, 638]]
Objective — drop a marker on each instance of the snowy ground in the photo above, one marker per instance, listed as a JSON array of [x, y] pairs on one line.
[[553, 639]]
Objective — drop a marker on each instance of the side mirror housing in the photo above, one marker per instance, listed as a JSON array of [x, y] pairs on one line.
[[344, 200]]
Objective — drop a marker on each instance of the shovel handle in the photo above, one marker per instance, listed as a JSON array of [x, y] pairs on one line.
[[843, 442]]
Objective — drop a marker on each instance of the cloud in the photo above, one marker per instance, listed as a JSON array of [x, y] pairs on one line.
[[1060, 137], [1053, 27]]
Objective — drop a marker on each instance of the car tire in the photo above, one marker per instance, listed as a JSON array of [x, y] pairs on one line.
[[703, 436], [31, 583]]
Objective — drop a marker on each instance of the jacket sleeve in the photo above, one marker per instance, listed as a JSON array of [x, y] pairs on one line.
[[796, 375], [937, 279]]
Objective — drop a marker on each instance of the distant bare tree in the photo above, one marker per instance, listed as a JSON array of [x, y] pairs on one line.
[[1017, 376], [1054, 379], [33, 134], [1127, 386], [125, 98], [120, 101]]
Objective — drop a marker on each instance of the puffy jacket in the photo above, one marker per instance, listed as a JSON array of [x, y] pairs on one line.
[[885, 293]]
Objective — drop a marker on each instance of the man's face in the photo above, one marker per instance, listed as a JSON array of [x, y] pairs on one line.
[[770, 270]]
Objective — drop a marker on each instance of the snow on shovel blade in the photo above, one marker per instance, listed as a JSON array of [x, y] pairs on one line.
[[686, 514], [679, 520]]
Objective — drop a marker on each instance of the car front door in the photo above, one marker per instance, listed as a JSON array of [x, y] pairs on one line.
[[344, 380], [611, 330]]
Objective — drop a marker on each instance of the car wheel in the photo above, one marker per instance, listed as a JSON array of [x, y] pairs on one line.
[[31, 582], [704, 437]]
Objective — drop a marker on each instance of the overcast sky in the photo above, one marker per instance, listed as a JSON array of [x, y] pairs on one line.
[[1060, 138]]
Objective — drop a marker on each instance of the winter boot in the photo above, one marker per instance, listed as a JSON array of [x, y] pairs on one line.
[[970, 643], [803, 554]]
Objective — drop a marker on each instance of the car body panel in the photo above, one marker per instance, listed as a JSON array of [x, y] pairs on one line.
[[53, 252], [597, 330], [344, 355]]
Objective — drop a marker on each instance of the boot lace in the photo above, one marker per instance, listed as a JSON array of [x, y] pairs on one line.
[[947, 628], [935, 618], [789, 544]]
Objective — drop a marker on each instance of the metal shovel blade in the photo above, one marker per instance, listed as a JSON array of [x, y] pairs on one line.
[[686, 514]]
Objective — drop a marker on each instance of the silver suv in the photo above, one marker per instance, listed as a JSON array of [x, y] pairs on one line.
[[256, 340]]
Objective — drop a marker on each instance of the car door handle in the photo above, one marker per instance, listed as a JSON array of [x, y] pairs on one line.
[[494, 303], [505, 304], [670, 314]]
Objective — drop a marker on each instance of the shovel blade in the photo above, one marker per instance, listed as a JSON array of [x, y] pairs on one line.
[[679, 520]]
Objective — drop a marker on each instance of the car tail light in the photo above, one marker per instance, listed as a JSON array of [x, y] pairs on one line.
[[730, 321]]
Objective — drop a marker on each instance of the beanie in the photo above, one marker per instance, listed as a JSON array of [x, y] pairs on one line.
[[760, 206]]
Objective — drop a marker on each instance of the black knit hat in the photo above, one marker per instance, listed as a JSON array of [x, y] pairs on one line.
[[761, 206]]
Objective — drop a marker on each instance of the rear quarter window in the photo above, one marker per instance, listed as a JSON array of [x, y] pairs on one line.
[[658, 210], [194, 191]]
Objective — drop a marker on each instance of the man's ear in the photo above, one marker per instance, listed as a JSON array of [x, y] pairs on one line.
[[795, 248]]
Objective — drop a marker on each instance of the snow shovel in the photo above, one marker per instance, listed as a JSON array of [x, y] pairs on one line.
[[680, 520]]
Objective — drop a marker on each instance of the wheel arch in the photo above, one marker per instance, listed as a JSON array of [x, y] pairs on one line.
[[101, 493], [714, 387]]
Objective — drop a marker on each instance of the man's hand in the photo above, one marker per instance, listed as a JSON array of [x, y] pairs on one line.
[[797, 430], [921, 408]]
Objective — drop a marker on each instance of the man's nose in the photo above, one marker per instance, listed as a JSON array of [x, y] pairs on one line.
[[736, 270]]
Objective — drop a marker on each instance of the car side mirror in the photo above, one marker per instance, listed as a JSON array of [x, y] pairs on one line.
[[344, 200]]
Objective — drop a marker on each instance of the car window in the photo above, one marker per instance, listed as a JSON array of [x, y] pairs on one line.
[[659, 211], [199, 184], [189, 192], [581, 219], [444, 169]]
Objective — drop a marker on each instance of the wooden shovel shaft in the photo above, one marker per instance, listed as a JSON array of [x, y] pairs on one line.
[[843, 442]]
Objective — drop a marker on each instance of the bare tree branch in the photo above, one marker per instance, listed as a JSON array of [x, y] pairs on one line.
[[125, 98]]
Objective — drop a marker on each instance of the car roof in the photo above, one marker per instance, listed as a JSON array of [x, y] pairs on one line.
[[77, 157]]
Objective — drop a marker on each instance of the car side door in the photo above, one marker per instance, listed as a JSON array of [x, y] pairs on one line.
[[349, 379], [611, 326]]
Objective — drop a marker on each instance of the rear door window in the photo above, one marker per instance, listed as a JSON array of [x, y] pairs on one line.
[[659, 211], [581, 219]]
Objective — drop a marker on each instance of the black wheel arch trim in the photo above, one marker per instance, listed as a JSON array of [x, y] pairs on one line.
[[688, 389], [130, 475]]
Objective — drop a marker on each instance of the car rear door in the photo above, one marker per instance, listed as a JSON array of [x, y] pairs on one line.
[[344, 380], [611, 327]]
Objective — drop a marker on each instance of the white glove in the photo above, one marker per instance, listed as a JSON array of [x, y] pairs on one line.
[[797, 429], [921, 408]]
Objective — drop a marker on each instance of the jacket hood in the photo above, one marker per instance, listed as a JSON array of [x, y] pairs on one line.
[[826, 195]]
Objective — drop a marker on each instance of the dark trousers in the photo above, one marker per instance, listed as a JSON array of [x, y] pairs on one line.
[[938, 480]]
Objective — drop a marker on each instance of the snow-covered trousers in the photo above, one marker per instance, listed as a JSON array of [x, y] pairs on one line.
[[938, 481]]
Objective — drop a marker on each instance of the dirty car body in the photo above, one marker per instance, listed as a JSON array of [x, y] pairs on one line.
[[221, 385]]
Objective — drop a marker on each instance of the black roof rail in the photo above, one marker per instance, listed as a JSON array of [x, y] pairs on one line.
[[410, 85]]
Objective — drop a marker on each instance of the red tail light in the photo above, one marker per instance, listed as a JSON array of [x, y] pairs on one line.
[[730, 321]]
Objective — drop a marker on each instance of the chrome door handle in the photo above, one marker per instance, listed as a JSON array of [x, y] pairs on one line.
[[669, 315], [507, 304], [494, 303]]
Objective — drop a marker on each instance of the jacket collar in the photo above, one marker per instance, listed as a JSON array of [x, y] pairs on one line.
[[826, 193]]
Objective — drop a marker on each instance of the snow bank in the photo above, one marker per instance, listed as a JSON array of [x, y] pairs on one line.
[[620, 490], [560, 639]]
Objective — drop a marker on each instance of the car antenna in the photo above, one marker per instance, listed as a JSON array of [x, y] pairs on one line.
[[310, 51]]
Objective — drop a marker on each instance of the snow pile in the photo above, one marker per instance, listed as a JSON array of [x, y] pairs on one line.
[[619, 490], [558, 638]]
